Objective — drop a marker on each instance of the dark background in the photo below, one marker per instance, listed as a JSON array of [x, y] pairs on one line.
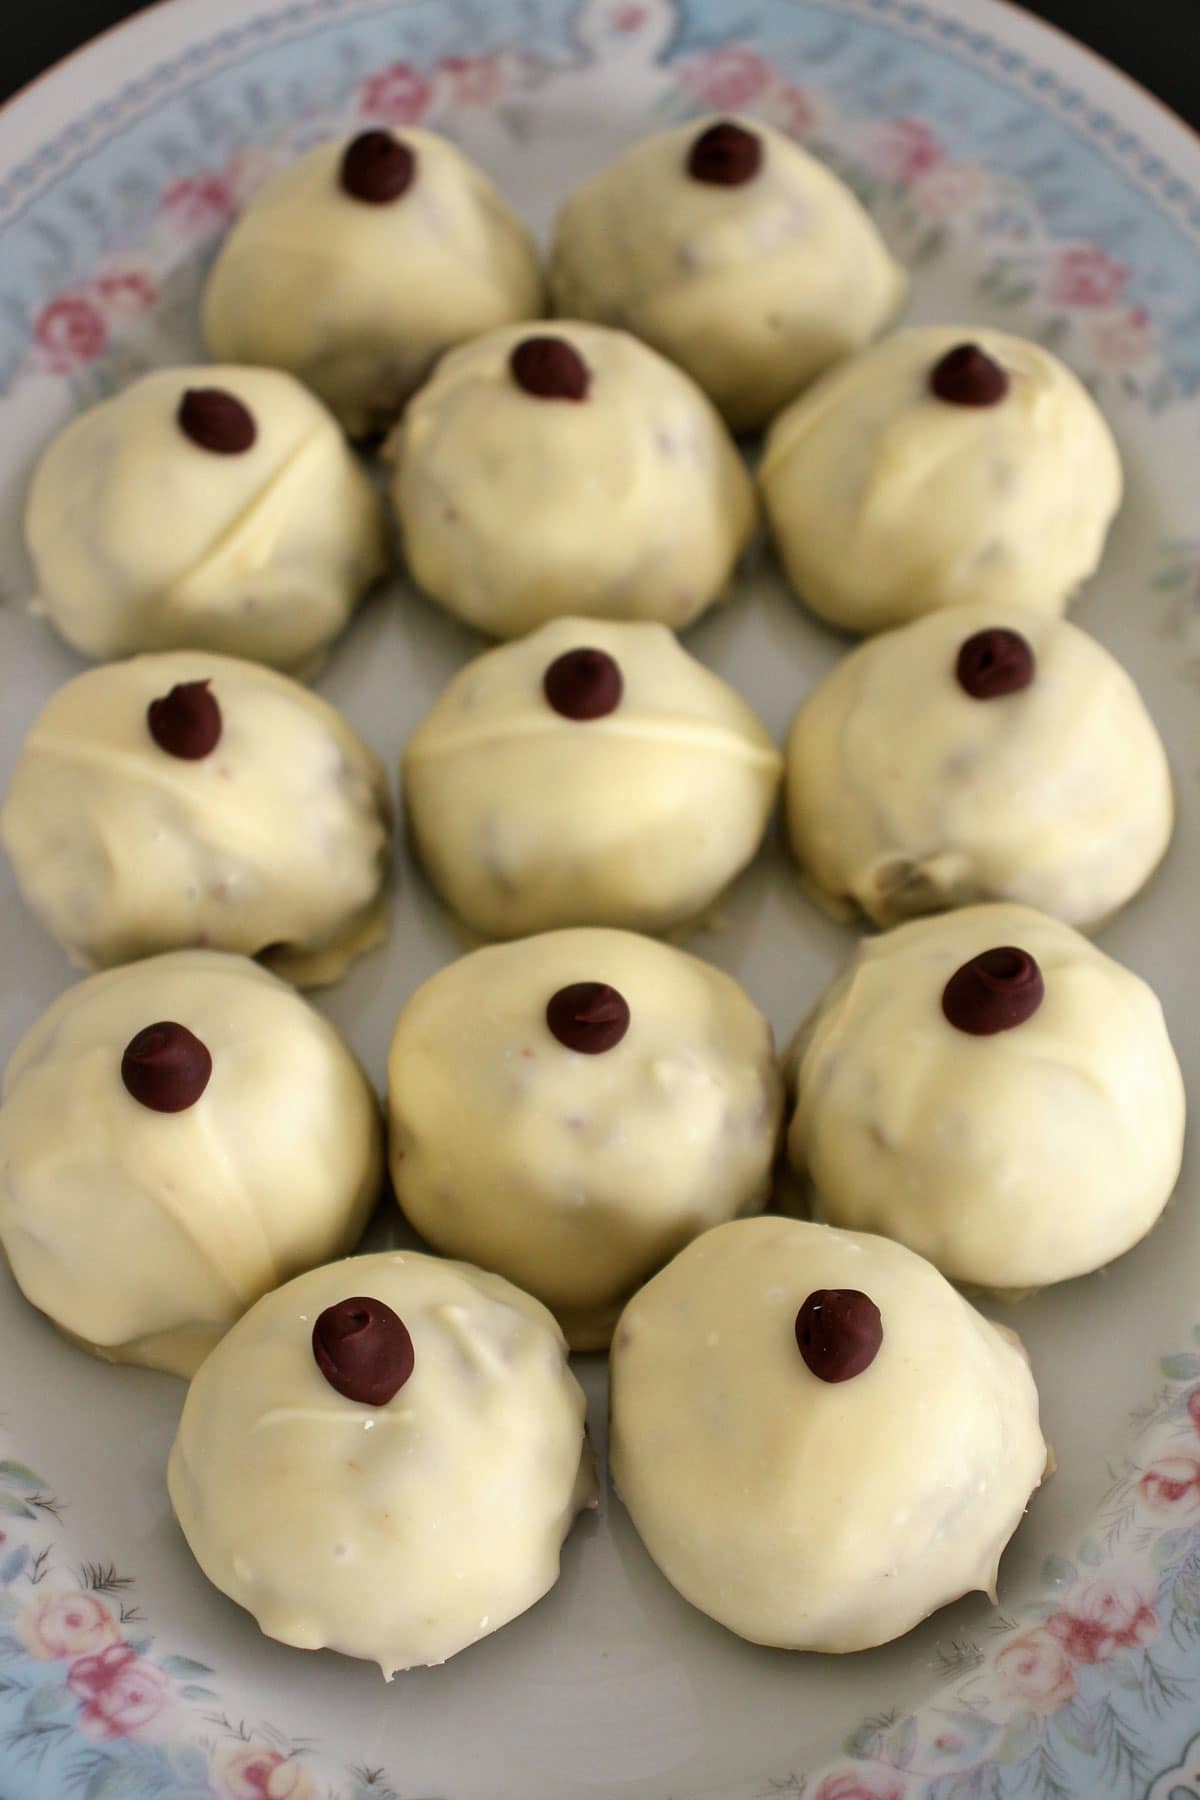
[[1155, 41]]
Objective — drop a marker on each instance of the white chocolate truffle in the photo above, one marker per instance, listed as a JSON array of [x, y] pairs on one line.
[[154, 1183], [906, 794], [235, 519], [274, 837], [1013, 1140], [359, 297], [572, 1109], [818, 1512], [570, 471], [635, 810], [753, 285], [397, 1530], [888, 501]]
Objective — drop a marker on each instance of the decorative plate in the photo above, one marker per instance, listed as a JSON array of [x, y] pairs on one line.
[[1027, 186]]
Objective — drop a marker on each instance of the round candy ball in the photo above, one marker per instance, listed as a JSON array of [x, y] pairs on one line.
[[819, 1441], [358, 265], [592, 773], [1032, 1128], [570, 1110], [946, 464], [384, 1458], [733, 252], [981, 753], [188, 799], [176, 1138], [204, 508], [567, 469]]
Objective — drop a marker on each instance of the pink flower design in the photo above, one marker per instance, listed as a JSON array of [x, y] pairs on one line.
[[1035, 1669], [949, 189], [1193, 1407], [792, 110], [1086, 276], [200, 205], [69, 332], [729, 77], [1122, 341], [1103, 1618], [121, 1692], [1172, 1485], [246, 171], [471, 80], [256, 1772], [397, 95], [862, 1784], [124, 290], [66, 1623], [628, 18], [904, 149]]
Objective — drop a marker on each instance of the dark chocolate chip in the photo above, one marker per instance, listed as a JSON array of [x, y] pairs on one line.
[[839, 1332], [588, 1016], [967, 376], [186, 722], [583, 684], [378, 168], [363, 1350], [993, 992], [995, 663], [216, 421], [725, 155], [550, 368], [166, 1067]]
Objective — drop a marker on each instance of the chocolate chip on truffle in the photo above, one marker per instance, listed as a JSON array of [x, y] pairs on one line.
[[363, 1350], [588, 1016], [583, 684], [839, 1332], [725, 155], [377, 168], [216, 421], [994, 663], [550, 368], [968, 376], [186, 722], [993, 992], [166, 1067]]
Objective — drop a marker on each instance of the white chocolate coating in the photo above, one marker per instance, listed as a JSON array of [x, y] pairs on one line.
[[753, 289], [906, 796], [887, 502], [578, 1175], [360, 300], [804, 1513], [279, 837], [146, 1234], [142, 540], [629, 504], [401, 1533], [1011, 1160], [526, 821]]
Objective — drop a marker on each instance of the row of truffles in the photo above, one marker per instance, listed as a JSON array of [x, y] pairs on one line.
[[723, 246], [570, 470], [819, 1441], [569, 1111], [591, 773], [583, 467], [223, 1141]]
